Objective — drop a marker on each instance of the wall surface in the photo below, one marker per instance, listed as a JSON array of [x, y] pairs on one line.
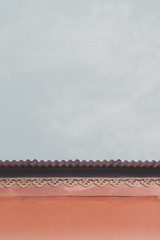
[[77, 218]]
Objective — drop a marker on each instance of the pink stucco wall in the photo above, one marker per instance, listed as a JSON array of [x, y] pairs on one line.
[[77, 218]]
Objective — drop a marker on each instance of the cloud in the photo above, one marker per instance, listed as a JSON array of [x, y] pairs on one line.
[[93, 72]]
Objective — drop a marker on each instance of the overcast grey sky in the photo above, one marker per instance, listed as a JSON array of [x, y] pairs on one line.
[[80, 79]]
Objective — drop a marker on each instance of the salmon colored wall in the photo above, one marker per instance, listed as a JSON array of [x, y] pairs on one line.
[[78, 190], [77, 218]]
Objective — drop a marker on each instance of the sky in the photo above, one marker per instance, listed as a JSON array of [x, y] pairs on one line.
[[80, 79]]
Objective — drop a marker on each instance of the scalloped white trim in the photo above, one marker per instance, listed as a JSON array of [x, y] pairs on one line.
[[85, 182]]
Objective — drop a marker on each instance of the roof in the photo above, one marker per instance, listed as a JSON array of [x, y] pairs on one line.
[[82, 164], [79, 168]]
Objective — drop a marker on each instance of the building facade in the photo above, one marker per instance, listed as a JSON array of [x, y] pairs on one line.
[[79, 200]]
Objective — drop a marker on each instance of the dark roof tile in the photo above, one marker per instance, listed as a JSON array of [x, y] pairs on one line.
[[77, 163]]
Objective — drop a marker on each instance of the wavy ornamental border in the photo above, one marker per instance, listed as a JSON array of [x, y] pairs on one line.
[[85, 182]]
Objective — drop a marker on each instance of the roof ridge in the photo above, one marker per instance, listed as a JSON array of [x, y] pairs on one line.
[[81, 163]]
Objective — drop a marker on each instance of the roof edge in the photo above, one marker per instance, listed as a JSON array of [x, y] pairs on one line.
[[81, 164]]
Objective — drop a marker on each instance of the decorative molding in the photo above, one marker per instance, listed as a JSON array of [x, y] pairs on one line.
[[85, 182]]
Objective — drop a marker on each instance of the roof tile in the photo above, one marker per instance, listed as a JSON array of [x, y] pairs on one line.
[[77, 163]]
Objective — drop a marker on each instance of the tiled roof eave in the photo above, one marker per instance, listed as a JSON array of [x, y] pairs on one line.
[[80, 164]]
